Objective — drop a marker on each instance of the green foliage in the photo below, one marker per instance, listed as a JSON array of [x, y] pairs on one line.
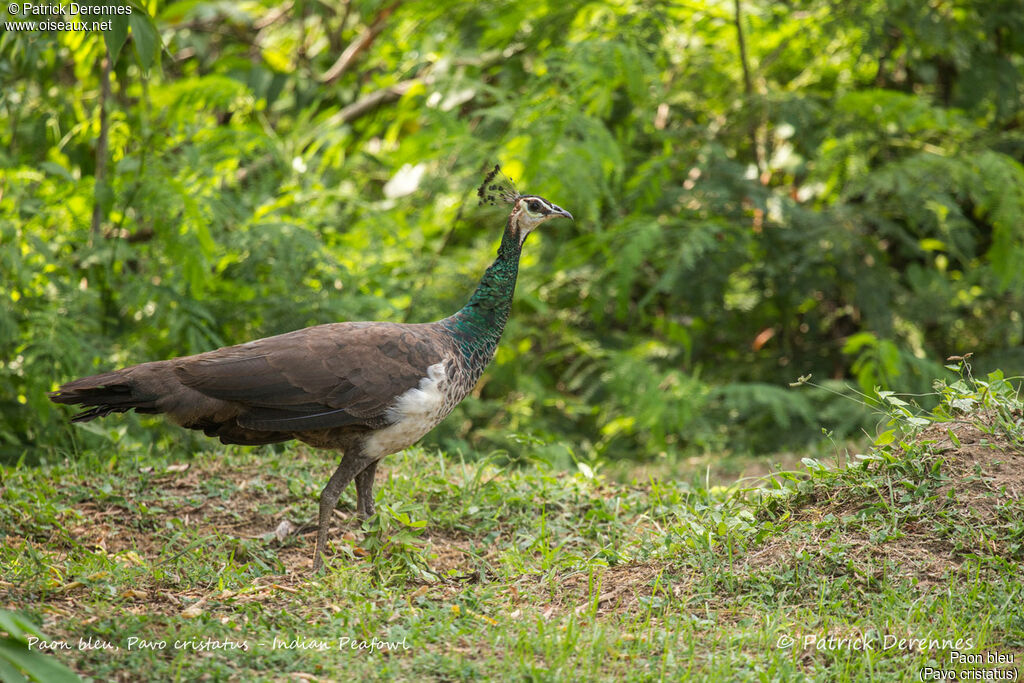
[[391, 541], [19, 660], [846, 203]]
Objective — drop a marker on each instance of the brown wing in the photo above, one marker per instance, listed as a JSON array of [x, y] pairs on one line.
[[317, 378]]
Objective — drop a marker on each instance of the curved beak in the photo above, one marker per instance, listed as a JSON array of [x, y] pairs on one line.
[[559, 211]]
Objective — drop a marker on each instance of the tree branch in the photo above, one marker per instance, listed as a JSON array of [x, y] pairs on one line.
[[359, 45], [367, 104], [100, 176], [748, 84]]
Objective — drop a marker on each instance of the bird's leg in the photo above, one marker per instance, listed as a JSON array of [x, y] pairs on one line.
[[349, 467], [364, 491]]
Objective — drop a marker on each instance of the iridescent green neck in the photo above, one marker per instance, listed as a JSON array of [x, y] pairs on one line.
[[478, 326]]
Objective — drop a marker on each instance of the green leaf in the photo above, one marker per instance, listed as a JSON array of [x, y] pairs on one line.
[[17, 626], [37, 665], [886, 437], [145, 37], [9, 674], [117, 35], [813, 464], [15, 655]]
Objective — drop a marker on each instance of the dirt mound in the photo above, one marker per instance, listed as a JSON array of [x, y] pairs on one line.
[[951, 492]]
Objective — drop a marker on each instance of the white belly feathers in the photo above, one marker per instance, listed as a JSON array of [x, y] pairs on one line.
[[414, 413]]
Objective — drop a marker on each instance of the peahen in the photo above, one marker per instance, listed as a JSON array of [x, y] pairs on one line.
[[368, 389]]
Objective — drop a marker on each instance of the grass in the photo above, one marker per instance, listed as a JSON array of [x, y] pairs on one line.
[[863, 567]]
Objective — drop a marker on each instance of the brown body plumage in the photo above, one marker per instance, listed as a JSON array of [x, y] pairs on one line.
[[365, 388], [318, 385]]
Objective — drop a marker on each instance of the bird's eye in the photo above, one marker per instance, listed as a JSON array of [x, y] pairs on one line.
[[533, 206]]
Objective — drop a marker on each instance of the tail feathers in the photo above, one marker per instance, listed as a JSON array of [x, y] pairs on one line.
[[104, 394], [140, 387]]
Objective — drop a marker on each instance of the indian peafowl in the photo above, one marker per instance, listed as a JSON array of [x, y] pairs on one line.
[[368, 389]]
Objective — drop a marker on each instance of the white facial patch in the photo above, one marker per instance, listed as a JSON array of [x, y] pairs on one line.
[[525, 228], [527, 220]]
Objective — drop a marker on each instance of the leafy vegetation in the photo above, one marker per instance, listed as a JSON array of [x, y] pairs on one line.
[[21, 655], [762, 190]]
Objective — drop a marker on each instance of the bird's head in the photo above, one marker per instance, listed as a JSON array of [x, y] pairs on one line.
[[528, 210]]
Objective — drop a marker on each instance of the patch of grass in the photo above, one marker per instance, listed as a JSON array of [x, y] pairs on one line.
[[863, 566]]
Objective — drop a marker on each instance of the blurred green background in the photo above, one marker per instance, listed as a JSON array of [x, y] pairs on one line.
[[762, 190]]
